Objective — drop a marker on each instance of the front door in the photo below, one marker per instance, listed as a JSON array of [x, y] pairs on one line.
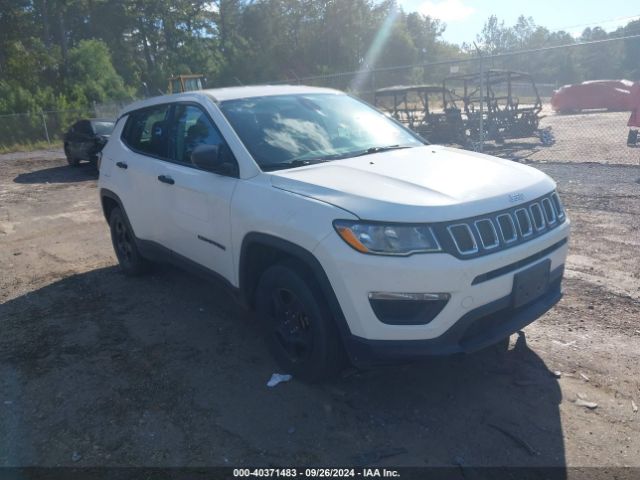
[[197, 202]]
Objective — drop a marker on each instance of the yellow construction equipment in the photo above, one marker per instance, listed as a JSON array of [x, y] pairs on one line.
[[185, 83]]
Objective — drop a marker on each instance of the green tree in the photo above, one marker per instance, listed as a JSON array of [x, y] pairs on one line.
[[92, 77]]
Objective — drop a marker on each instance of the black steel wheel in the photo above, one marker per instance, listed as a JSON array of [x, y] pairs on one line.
[[292, 328], [299, 328], [129, 258]]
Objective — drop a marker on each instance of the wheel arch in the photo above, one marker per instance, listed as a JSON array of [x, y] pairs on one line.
[[260, 250], [109, 200]]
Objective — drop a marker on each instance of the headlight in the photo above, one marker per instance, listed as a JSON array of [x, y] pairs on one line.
[[389, 239]]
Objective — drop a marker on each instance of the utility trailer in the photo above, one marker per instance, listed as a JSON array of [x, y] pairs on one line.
[[419, 107], [511, 107]]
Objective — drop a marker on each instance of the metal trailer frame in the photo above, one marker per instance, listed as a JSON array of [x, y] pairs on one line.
[[503, 117], [436, 127]]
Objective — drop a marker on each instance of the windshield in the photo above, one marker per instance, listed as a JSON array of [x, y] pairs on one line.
[[286, 131], [103, 128]]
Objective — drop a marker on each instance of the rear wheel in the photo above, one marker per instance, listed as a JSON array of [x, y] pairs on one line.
[[299, 328], [129, 258], [74, 162]]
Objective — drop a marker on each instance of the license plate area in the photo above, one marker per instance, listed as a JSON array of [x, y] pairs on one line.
[[531, 283]]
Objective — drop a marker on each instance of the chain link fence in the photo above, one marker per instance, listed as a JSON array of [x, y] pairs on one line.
[[513, 117], [47, 127], [500, 104]]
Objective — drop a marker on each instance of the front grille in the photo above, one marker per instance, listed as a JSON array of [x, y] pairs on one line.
[[524, 222], [496, 231], [463, 238], [488, 234], [549, 214], [536, 213], [507, 228]]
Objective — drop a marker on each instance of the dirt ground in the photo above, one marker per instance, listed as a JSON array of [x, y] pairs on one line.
[[97, 369], [589, 136]]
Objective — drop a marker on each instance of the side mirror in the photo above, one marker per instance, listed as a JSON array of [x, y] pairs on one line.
[[214, 158]]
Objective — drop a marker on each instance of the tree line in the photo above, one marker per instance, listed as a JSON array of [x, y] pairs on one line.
[[68, 54]]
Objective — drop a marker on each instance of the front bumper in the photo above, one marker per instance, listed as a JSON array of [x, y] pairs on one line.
[[476, 330], [480, 291]]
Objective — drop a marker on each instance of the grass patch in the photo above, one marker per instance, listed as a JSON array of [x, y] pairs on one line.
[[28, 147]]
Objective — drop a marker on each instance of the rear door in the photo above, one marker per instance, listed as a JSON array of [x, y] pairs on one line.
[[137, 166], [196, 202]]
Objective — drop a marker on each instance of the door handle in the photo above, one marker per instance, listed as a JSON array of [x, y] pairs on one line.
[[122, 165], [165, 179]]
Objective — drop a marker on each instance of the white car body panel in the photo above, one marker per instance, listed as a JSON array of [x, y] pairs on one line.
[[299, 205], [422, 184], [137, 185], [196, 213], [260, 208]]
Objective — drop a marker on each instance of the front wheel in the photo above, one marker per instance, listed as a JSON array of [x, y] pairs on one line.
[[300, 330], [129, 258]]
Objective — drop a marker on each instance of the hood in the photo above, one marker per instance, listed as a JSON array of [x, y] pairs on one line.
[[421, 184]]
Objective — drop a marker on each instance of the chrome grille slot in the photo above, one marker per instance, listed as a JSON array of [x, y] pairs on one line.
[[536, 214], [549, 213], [557, 206], [487, 233], [507, 228], [463, 238], [524, 222]]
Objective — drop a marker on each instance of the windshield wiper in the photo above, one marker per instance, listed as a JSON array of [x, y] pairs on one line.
[[371, 150], [327, 158], [292, 164]]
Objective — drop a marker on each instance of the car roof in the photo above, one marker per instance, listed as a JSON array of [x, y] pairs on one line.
[[229, 93]]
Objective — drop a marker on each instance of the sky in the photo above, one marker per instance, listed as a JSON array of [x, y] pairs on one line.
[[465, 18]]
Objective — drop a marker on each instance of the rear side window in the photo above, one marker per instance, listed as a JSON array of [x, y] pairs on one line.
[[146, 131], [83, 127]]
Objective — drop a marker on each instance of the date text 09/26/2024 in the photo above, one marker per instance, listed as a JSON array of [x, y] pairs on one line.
[[315, 473]]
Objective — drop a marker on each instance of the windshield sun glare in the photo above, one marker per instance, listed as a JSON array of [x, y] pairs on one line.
[[286, 131]]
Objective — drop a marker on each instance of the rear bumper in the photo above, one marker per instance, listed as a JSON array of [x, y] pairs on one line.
[[477, 329]]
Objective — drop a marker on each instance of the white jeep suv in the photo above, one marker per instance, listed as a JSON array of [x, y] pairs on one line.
[[350, 236]]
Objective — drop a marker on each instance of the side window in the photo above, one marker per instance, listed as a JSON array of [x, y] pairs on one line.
[[83, 127], [146, 131], [192, 127]]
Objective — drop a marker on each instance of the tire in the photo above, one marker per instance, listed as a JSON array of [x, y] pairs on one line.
[[131, 262], [73, 162], [298, 326]]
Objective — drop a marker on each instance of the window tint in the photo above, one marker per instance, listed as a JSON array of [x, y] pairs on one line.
[[192, 127], [83, 127], [146, 131]]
